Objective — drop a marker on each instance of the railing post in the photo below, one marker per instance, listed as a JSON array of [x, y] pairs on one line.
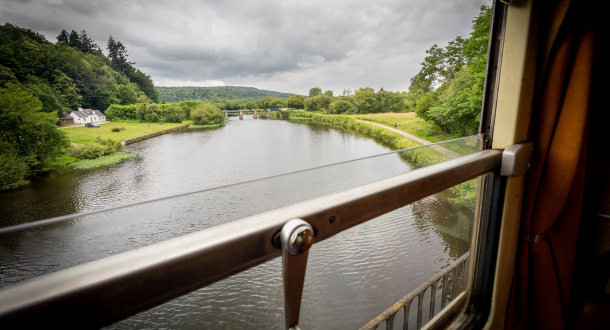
[[255, 114], [296, 239], [226, 114], [241, 114]]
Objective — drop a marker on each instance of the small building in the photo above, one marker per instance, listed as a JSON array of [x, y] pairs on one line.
[[82, 116], [66, 120]]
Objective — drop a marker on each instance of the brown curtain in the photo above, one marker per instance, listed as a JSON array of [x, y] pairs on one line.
[[555, 183]]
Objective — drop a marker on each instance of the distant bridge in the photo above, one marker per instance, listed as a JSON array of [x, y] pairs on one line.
[[254, 112]]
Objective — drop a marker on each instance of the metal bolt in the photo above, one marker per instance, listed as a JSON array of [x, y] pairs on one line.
[[296, 236]]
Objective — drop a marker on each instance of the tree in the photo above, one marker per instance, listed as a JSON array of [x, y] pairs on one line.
[[68, 92], [315, 91], [329, 93], [87, 45], [206, 114], [63, 36], [27, 136], [365, 100], [390, 101], [296, 101], [117, 55], [341, 106], [127, 94], [74, 40], [448, 90], [174, 114], [318, 102]]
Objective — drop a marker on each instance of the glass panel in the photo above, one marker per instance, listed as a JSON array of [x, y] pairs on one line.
[[78, 239], [351, 277]]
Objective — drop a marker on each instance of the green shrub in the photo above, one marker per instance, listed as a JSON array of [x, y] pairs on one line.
[[174, 114], [101, 147], [116, 129], [341, 106], [91, 151], [206, 114], [124, 112], [151, 117]]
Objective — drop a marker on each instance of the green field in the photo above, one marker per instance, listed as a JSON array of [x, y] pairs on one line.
[[86, 135], [410, 123]]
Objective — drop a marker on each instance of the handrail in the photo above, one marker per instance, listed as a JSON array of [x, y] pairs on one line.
[[449, 291], [110, 289]]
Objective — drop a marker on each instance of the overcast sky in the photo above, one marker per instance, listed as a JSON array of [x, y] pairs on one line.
[[281, 45]]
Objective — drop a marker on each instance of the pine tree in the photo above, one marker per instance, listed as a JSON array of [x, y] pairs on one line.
[[74, 39], [63, 36]]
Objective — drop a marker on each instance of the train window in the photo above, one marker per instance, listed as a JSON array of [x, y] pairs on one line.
[[357, 233]]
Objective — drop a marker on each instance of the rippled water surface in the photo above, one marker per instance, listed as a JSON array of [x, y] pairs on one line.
[[350, 279]]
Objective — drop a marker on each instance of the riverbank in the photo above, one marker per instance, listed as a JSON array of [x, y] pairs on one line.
[[418, 157], [123, 130], [408, 122], [462, 196], [115, 158], [154, 134], [99, 147]]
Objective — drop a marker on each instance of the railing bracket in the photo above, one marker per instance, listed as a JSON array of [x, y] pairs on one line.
[[516, 159], [296, 238]]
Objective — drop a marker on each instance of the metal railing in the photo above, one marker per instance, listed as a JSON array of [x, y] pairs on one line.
[[110, 289], [452, 281]]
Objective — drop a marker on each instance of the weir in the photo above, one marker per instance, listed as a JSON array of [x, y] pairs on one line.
[[255, 113]]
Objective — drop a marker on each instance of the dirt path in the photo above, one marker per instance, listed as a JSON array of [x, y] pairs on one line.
[[445, 151]]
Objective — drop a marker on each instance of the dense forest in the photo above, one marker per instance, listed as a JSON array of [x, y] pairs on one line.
[[210, 94], [71, 73]]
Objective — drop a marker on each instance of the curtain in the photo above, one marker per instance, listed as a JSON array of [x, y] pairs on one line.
[[555, 183]]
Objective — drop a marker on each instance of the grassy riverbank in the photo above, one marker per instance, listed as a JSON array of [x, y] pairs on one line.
[[126, 130], [463, 195], [410, 123], [419, 157], [204, 126], [98, 147], [111, 159]]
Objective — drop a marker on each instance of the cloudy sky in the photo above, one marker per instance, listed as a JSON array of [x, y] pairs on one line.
[[281, 45]]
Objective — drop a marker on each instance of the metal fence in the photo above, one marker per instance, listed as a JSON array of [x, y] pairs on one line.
[[451, 281]]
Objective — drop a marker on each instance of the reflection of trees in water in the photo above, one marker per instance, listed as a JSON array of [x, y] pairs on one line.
[[318, 126], [453, 223]]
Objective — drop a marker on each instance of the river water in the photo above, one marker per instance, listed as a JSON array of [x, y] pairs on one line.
[[350, 278]]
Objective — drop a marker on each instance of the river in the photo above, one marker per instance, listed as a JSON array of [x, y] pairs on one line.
[[350, 278]]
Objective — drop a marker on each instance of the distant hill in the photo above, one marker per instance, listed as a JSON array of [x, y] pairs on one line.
[[209, 94]]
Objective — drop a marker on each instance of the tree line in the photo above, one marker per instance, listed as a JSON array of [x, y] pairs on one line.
[[211, 94], [71, 73], [40, 80], [447, 91]]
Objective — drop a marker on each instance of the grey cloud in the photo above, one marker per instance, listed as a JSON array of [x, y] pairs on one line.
[[288, 44]]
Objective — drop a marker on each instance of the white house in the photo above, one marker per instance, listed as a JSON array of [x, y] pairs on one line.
[[82, 116]]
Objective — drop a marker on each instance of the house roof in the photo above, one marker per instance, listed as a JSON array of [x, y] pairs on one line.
[[79, 114], [83, 113]]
